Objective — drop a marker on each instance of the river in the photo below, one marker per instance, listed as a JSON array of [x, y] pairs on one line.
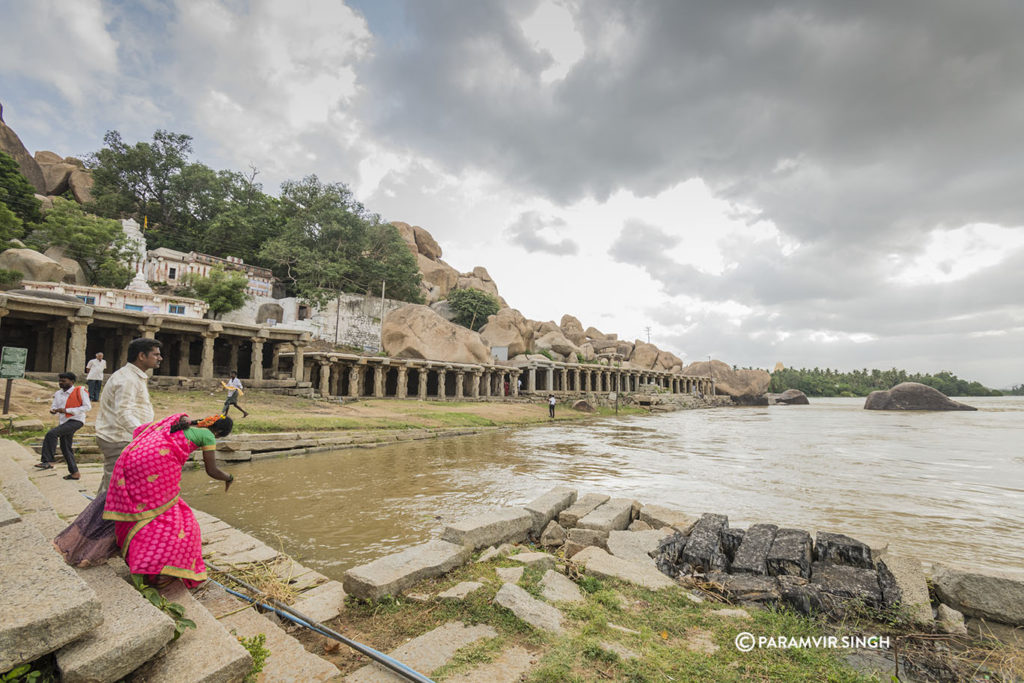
[[943, 486]]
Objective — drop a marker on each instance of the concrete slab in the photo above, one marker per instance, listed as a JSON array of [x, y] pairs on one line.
[[425, 653], [323, 603], [637, 546], [599, 563], [531, 610], [557, 587], [132, 632], [547, 507], [44, 603], [508, 667], [391, 574], [902, 582], [459, 591], [541, 560], [490, 528], [510, 574], [583, 506], [617, 513]]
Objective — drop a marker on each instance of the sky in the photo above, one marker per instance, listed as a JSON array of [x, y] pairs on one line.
[[812, 183]]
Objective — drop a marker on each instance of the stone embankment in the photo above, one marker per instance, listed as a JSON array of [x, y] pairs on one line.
[[99, 628]]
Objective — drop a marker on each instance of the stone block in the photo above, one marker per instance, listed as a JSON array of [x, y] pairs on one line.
[[391, 574], [902, 582], [840, 549], [500, 551], [659, 516], [997, 595], [638, 525], [850, 583], [747, 587], [599, 563], [703, 550], [553, 535], [44, 605], [459, 591], [490, 528], [555, 587], [637, 546], [539, 560], [23, 495], [511, 666], [323, 603], [510, 574], [586, 537], [133, 630], [616, 513], [207, 653], [548, 506], [790, 554], [7, 513], [583, 506], [948, 620], [425, 653], [753, 551], [529, 609], [731, 540], [234, 456]]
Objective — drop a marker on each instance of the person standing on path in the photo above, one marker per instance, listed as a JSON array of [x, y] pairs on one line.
[[551, 406], [125, 404], [71, 403], [94, 376], [234, 387]]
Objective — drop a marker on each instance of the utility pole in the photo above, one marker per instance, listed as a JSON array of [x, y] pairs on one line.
[[648, 331]]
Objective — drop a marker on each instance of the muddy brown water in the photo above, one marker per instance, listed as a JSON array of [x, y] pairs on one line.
[[942, 486]]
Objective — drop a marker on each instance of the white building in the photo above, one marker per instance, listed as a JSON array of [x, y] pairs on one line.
[[125, 299], [170, 265]]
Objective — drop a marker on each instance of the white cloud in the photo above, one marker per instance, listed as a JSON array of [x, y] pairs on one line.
[[952, 255], [551, 29]]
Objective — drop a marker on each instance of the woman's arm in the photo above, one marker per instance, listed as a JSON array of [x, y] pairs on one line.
[[214, 472]]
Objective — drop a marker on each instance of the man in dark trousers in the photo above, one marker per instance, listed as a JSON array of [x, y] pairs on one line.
[[551, 406], [71, 403]]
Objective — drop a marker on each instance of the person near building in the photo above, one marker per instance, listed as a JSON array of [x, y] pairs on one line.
[[234, 387], [71, 403], [551, 406], [124, 404], [94, 377]]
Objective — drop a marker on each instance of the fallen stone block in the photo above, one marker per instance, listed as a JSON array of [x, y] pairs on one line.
[[903, 584], [852, 583], [500, 551], [997, 595], [459, 591], [731, 539], [391, 574], [323, 603], [948, 620], [639, 525], [529, 609], [510, 574], [666, 557], [617, 513], [637, 546], [840, 549], [490, 528], [539, 560], [425, 653], [553, 535], [547, 507], [731, 614], [7, 513], [583, 506], [588, 537], [599, 563], [703, 551], [132, 631], [234, 456], [747, 587], [790, 554], [43, 603], [27, 425], [510, 666], [753, 551], [556, 587]]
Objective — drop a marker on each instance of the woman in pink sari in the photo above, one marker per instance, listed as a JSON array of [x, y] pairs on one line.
[[156, 531]]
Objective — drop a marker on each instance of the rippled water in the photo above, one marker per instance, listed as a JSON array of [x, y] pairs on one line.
[[943, 486]]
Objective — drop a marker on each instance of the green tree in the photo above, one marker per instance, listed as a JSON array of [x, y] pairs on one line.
[[472, 306], [224, 291], [16, 195], [98, 244], [10, 226], [330, 243]]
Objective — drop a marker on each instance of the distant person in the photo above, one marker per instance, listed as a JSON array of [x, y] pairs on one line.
[[71, 403], [551, 406], [125, 404], [94, 377], [506, 388], [234, 387]]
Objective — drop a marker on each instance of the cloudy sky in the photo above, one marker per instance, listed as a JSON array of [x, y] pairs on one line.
[[821, 184]]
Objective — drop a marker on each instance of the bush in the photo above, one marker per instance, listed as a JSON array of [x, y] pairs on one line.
[[472, 307], [10, 277]]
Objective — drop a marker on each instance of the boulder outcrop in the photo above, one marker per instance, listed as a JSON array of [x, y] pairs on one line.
[[508, 328], [729, 382], [415, 331], [594, 333], [74, 274], [791, 397], [33, 265], [479, 279], [80, 184], [556, 341], [11, 144], [438, 276], [56, 171], [572, 328], [644, 355], [912, 396]]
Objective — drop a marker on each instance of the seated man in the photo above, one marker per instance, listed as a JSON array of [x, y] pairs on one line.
[[71, 403]]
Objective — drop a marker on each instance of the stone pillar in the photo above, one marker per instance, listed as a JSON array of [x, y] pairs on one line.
[[275, 361], [325, 378], [474, 384], [59, 350], [44, 347], [515, 382], [354, 373], [256, 361], [206, 364], [550, 375], [76, 347], [298, 361], [531, 381], [402, 390], [378, 381], [335, 379], [184, 346], [485, 383], [233, 355], [460, 381], [421, 384], [442, 392]]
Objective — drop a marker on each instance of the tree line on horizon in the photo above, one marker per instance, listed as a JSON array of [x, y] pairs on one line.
[[828, 382]]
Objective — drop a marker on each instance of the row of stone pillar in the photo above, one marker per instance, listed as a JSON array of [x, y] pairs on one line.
[[481, 383], [587, 380]]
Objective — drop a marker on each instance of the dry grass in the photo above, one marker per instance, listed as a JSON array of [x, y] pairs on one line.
[[272, 578]]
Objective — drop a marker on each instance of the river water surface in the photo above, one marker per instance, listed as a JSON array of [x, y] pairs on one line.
[[943, 486]]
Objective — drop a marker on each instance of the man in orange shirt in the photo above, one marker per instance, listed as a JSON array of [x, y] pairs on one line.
[[71, 403]]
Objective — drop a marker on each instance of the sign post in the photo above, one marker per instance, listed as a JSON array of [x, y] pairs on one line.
[[12, 367]]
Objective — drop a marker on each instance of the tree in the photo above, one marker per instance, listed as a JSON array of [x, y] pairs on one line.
[[330, 243], [472, 306], [98, 244], [16, 195], [224, 291]]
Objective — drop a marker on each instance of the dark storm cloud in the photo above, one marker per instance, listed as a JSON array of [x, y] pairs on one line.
[[526, 232]]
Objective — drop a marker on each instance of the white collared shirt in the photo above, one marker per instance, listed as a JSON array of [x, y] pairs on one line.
[[60, 399], [95, 368], [124, 405]]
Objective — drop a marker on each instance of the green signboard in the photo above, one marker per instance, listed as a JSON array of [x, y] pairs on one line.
[[12, 362]]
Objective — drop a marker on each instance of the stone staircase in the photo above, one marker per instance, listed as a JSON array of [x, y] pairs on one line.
[[100, 628]]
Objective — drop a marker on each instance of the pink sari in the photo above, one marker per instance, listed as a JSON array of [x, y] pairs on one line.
[[156, 530]]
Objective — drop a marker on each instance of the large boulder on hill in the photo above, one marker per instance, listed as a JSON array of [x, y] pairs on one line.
[[426, 243], [669, 362], [11, 143], [56, 172], [542, 328], [508, 328], [415, 331], [74, 274], [555, 341], [912, 396], [594, 333], [45, 203], [80, 184], [587, 350], [438, 276], [644, 355], [479, 279], [572, 328], [624, 348], [729, 382], [406, 233], [33, 265]]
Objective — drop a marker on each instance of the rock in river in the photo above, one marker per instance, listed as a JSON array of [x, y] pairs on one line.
[[912, 396]]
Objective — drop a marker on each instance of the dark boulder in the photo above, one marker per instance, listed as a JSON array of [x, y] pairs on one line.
[[747, 588], [792, 397], [753, 551], [731, 540], [790, 554], [848, 583], [703, 552], [666, 559], [912, 396], [840, 549]]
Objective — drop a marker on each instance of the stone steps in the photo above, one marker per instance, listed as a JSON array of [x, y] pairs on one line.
[[425, 653]]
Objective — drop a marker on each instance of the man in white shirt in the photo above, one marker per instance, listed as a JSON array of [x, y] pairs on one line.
[[71, 403], [234, 387], [94, 378], [124, 404]]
